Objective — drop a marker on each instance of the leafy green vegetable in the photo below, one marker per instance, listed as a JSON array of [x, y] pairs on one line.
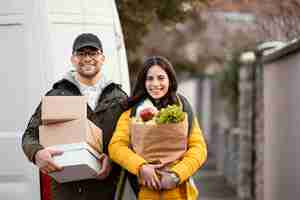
[[170, 114]]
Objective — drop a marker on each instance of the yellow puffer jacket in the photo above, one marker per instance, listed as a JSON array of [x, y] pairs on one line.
[[191, 161]]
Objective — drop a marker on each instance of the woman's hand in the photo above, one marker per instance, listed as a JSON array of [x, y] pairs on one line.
[[169, 180], [148, 176]]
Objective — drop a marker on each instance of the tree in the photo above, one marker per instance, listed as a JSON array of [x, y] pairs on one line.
[[205, 39], [137, 15]]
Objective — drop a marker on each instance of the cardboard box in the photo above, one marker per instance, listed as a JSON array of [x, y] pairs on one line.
[[63, 108], [81, 141], [79, 162]]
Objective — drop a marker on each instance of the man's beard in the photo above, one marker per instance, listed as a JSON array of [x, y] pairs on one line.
[[88, 75]]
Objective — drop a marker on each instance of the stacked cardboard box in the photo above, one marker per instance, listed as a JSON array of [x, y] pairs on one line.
[[65, 126]]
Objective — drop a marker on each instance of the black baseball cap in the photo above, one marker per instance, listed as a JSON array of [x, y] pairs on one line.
[[87, 40]]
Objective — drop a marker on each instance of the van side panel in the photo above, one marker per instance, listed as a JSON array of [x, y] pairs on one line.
[[36, 39]]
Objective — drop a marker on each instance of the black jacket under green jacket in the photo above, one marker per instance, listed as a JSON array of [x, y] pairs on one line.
[[105, 116]]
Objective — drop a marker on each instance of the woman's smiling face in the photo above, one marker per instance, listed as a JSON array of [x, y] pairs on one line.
[[157, 82]]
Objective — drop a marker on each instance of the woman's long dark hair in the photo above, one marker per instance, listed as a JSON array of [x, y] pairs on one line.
[[140, 92]]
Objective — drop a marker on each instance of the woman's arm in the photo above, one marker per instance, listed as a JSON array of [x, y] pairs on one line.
[[119, 150], [194, 157]]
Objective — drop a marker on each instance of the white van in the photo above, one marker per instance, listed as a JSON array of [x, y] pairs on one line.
[[36, 38]]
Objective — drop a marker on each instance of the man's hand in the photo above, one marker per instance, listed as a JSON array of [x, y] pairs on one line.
[[43, 159], [105, 168], [168, 180], [149, 177]]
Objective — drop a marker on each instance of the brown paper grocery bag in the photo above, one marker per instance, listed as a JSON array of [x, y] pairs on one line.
[[163, 143]]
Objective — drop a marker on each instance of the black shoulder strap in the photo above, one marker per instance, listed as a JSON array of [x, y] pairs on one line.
[[186, 107], [133, 110]]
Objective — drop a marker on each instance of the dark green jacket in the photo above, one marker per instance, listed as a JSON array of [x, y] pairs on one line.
[[105, 116]]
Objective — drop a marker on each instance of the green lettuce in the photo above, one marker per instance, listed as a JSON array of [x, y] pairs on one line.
[[170, 114]]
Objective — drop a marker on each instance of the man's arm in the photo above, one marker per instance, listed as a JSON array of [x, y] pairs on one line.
[[30, 139]]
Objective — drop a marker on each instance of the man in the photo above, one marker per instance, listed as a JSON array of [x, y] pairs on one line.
[[104, 109]]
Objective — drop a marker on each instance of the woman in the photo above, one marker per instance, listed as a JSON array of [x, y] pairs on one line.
[[157, 84]]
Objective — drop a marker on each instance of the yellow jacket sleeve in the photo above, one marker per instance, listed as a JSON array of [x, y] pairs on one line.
[[119, 150], [194, 157]]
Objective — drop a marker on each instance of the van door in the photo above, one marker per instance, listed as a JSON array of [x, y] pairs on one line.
[[18, 177], [36, 39]]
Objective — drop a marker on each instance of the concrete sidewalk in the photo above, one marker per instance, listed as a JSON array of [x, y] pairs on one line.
[[212, 186]]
